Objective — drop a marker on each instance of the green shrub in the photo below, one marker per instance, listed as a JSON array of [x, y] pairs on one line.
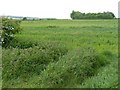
[[9, 28]]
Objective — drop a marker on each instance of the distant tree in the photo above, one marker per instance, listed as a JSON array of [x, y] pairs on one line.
[[79, 15], [25, 18], [111, 14], [72, 15]]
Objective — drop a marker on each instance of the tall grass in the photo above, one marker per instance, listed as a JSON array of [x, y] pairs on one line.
[[72, 69], [62, 71], [24, 62]]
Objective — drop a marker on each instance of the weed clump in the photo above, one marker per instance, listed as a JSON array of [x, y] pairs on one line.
[[52, 26]]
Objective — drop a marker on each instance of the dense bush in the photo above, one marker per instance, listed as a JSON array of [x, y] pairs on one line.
[[104, 15], [25, 62], [73, 68], [9, 28]]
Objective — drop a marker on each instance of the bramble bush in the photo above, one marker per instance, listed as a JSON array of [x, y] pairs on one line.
[[9, 28]]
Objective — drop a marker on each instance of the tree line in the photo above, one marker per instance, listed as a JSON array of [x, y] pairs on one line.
[[80, 15]]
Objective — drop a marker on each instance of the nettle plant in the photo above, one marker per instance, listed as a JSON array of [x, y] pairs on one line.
[[9, 28]]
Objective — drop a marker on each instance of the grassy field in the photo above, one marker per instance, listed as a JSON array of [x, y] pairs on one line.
[[100, 34], [63, 53]]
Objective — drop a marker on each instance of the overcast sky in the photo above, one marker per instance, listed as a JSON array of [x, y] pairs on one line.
[[55, 8]]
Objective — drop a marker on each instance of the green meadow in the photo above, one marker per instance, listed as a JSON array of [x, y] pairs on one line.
[[63, 54]]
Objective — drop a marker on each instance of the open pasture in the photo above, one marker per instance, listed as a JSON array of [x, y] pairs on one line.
[[100, 34]]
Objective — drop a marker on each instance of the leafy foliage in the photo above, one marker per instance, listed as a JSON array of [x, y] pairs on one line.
[[10, 27], [104, 15], [25, 18]]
